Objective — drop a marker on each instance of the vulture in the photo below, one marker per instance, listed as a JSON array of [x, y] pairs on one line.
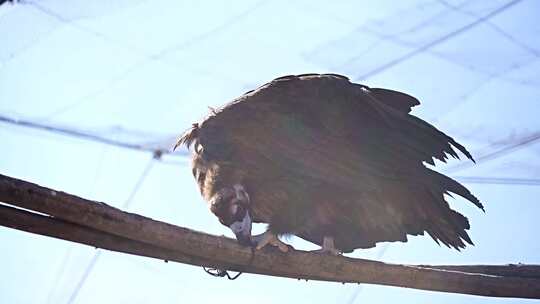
[[336, 163]]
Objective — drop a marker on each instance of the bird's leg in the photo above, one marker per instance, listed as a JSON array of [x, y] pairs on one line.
[[328, 246], [268, 237]]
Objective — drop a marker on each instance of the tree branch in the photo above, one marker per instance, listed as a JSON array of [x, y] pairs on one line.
[[72, 218]]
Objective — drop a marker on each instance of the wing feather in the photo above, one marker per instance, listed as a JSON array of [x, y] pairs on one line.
[[364, 141]]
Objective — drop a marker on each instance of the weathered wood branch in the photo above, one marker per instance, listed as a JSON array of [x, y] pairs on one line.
[[510, 270], [72, 218]]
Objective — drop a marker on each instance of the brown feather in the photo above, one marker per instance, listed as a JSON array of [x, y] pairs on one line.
[[322, 156]]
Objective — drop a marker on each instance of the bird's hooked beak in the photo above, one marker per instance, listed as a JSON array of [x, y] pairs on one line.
[[242, 230]]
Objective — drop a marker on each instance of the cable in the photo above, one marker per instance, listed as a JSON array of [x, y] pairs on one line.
[[193, 40], [494, 27], [64, 262], [185, 155], [139, 183], [435, 42], [490, 75], [97, 255], [498, 180], [358, 289], [147, 58], [95, 93], [497, 153], [58, 275], [85, 275], [87, 136]]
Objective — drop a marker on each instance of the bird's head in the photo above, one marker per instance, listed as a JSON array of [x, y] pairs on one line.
[[231, 206]]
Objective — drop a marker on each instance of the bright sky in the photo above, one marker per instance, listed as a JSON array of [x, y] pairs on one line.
[[143, 71]]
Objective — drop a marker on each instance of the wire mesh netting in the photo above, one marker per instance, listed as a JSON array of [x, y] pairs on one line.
[[89, 90]]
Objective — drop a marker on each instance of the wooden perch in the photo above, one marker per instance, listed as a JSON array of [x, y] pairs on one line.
[[69, 217]]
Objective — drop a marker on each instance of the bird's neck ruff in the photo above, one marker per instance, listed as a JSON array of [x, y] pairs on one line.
[[189, 137]]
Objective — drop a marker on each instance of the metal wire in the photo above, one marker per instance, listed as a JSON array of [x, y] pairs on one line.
[[497, 153], [435, 42], [147, 58], [498, 180], [87, 135], [97, 255]]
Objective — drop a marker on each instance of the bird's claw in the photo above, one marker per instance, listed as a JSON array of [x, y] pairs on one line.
[[331, 251], [266, 238], [328, 247]]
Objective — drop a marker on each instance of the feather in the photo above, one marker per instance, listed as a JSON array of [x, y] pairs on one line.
[[400, 101], [189, 137], [322, 156]]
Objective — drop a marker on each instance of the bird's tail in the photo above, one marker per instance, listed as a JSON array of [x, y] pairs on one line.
[[449, 185], [448, 226]]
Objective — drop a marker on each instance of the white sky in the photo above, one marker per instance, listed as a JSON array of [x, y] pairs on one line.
[[143, 71]]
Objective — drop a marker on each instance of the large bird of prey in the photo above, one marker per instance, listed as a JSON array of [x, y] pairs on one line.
[[336, 163]]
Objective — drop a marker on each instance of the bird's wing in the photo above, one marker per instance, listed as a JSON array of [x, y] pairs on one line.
[[364, 140], [329, 128]]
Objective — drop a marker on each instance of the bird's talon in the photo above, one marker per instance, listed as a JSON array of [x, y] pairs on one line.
[[334, 251], [328, 247], [283, 248], [269, 238]]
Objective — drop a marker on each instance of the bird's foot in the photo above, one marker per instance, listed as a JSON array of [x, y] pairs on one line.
[[268, 237], [328, 247]]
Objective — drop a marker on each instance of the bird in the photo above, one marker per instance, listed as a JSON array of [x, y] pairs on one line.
[[336, 163]]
